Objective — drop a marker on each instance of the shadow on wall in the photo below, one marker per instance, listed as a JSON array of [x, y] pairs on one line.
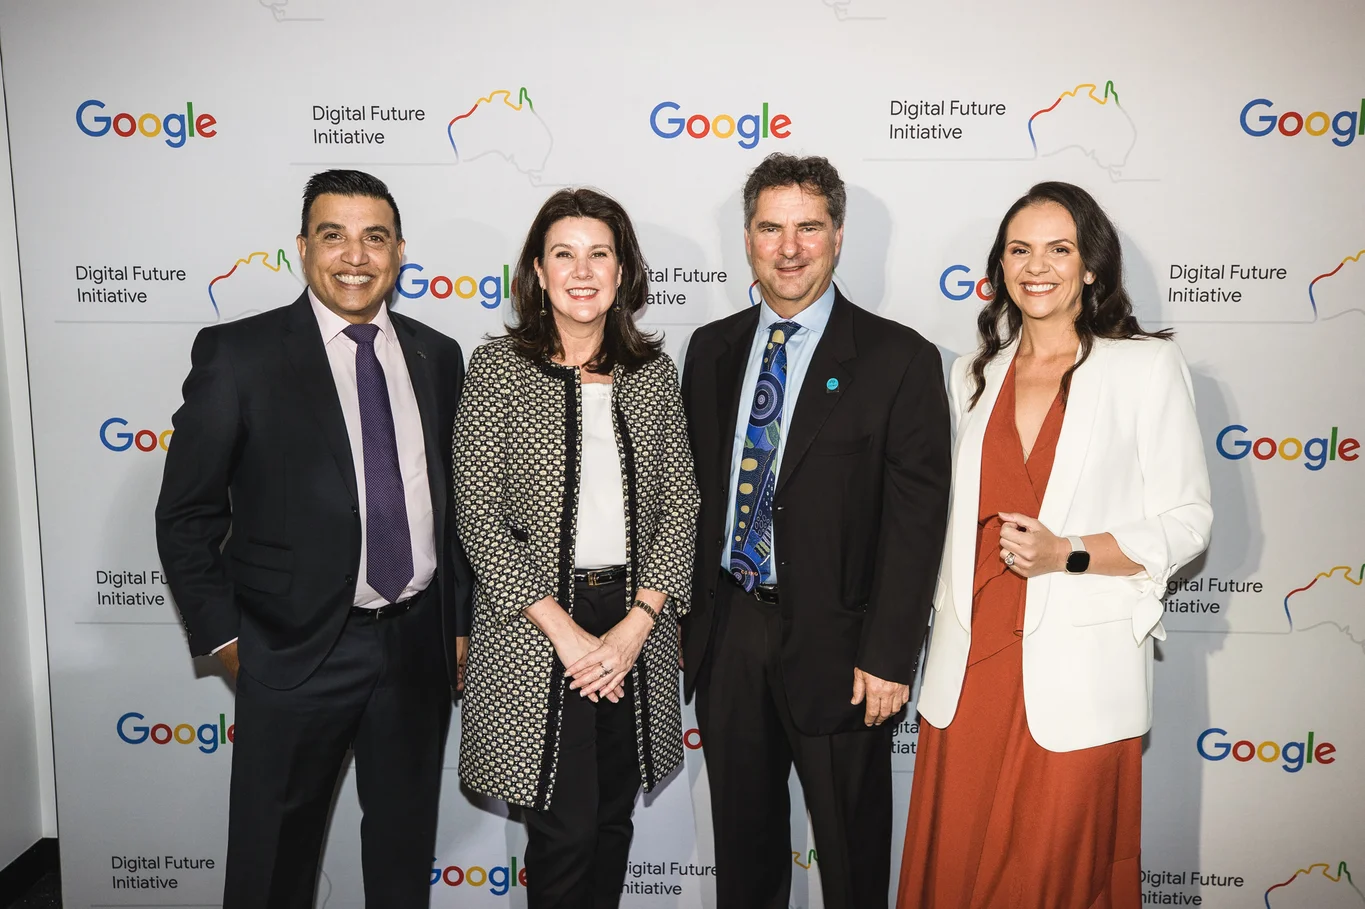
[[1173, 781]]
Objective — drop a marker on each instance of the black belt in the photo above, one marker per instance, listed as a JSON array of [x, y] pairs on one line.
[[390, 610], [764, 593], [596, 577]]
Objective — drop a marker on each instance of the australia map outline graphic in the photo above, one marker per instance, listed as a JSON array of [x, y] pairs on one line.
[[505, 125], [1087, 118], [1322, 885], [256, 282]]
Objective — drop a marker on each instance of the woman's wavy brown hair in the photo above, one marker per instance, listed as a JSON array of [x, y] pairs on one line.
[[1106, 310], [535, 335]]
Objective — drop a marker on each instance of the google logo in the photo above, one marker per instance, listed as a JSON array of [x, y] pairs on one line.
[[208, 735], [1316, 452], [966, 288], [749, 127], [1346, 124], [176, 127], [499, 878], [1294, 754], [491, 289], [142, 440]]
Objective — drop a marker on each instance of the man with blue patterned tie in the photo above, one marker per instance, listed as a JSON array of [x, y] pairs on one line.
[[821, 440], [306, 529]]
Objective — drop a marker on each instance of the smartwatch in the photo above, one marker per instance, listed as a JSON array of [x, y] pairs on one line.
[[1079, 560]]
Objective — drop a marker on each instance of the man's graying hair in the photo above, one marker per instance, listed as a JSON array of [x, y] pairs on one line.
[[813, 174]]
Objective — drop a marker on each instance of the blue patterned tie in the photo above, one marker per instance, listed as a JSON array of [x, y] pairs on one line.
[[751, 542], [388, 540]]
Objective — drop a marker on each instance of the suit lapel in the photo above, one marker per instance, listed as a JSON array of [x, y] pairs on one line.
[[420, 374], [1074, 441], [971, 432], [816, 401], [303, 347], [730, 362]]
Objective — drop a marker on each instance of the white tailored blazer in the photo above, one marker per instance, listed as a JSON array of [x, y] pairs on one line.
[[1130, 462]]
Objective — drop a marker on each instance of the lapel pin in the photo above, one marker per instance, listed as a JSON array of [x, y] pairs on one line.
[[832, 385], [422, 354]]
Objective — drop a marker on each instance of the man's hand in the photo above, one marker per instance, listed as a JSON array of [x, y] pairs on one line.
[[228, 657], [461, 657], [883, 698]]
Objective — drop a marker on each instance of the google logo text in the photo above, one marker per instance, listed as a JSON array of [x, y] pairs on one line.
[[1345, 125], [176, 127], [964, 287], [208, 736], [1212, 746], [1316, 452], [750, 128]]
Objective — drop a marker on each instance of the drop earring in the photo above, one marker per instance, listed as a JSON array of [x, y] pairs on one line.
[[543, 308]]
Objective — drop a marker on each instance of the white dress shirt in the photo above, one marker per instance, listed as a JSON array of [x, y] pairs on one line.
[[800, 349], [601, 531], [407, 422]]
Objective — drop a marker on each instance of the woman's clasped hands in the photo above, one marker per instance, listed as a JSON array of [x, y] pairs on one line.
[[602, 671]]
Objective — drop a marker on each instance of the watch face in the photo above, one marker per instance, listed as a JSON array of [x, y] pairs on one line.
[[1078, 561]]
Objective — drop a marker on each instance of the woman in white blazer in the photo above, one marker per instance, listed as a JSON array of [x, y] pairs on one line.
[[1079, 487]]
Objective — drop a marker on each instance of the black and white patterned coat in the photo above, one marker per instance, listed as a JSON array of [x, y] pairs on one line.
[[518, 447]]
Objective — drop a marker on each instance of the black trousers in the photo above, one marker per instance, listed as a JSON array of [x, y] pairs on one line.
[[578, 847], [750, 745], [383, 692]]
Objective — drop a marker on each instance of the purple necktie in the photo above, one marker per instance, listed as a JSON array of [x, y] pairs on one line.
[[388, 540]]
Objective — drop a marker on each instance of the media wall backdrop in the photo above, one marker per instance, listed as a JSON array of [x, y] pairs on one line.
[[159, 152]]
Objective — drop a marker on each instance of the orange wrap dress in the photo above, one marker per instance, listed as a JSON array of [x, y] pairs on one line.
[[995, 819]]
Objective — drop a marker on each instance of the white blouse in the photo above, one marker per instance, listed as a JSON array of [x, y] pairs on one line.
[[601, 533]]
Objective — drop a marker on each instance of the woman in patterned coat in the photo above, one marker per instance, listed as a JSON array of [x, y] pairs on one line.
[[576, 503]]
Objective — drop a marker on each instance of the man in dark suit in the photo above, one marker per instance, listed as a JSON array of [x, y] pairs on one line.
[[316, 438], [821, 439]]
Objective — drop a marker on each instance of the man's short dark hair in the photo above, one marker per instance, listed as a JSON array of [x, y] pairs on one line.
[[348, 183], [813, 174]]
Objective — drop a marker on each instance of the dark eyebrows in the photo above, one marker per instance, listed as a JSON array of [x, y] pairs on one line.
[[372, 229], [809, 222], [1048, 243], [607, 246]]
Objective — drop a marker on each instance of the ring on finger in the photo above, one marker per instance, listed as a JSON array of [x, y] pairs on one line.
[[1009, 559]]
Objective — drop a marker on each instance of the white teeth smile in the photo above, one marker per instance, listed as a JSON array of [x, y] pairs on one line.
[[581, 293], [1038, 288], [355, 280]]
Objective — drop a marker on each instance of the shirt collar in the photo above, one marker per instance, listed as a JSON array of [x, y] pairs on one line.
[[813, 318], [331, 324]]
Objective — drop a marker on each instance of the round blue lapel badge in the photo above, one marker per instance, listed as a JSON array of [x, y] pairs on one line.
[[832, 385]]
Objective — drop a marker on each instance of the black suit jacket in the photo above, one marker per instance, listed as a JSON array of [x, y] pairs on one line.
[[261, 449], [859, 512]]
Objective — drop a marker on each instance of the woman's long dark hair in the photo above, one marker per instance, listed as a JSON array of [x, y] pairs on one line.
[[535, 335], [1106, 310]]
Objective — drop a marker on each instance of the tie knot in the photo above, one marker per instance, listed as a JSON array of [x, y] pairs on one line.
[[781, 332], [362, 334]]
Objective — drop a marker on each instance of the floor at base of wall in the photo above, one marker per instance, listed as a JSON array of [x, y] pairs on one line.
[[33, 880]]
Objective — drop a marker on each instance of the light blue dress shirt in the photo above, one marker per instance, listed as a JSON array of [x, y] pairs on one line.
[[800, 349]]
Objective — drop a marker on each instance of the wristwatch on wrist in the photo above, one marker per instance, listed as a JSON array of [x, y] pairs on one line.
[[648, 610], [1079, 560]]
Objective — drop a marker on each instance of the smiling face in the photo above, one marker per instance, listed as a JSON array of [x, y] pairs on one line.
[[580, 272], [792, 245], [351, 254], [1042, 266]]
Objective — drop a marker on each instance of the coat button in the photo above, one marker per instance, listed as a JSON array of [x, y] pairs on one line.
[[355, 510], [711, 594], [350, 578]]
